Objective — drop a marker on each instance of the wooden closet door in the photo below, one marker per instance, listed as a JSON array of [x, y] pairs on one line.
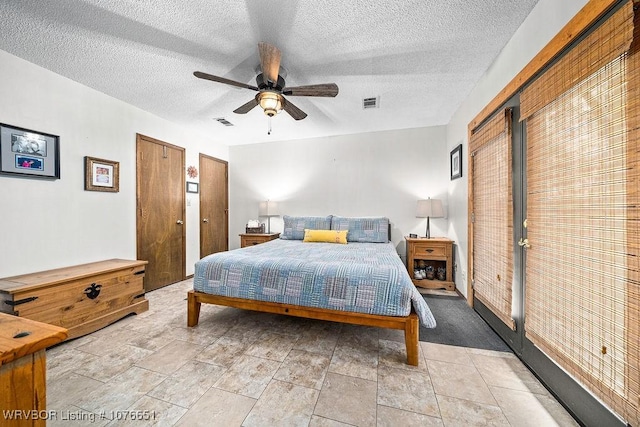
[[214, 205], [160, 211]]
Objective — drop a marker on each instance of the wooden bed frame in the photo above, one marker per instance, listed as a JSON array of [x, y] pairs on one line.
[[407, 323]]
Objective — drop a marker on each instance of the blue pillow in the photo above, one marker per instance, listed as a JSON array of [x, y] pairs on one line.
[[294, 225], [363, 229]]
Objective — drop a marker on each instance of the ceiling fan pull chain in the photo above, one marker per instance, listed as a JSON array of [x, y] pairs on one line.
[[269, 130]]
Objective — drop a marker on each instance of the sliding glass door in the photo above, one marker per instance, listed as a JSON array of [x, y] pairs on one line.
[[574, 199]]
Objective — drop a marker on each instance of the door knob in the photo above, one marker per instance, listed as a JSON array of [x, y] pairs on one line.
[[180, 222], [205, 220], [524, 243]]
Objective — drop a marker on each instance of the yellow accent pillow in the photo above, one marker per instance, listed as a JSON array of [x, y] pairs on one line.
[[326, 236]]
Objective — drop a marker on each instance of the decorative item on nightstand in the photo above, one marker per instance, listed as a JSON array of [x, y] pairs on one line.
[[254, 227], [430, 208], [268, 208]]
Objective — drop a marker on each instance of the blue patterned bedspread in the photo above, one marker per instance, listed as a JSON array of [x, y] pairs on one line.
[[360, 277]]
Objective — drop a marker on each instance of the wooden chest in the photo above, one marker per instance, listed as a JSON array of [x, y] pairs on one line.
[[82, 298]]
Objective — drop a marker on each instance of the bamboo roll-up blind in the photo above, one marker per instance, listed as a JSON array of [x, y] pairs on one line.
[[582, 299], [632, 153], [492, 274], [608, 41]]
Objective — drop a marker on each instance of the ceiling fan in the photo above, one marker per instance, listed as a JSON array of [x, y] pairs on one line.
[[271, 87]]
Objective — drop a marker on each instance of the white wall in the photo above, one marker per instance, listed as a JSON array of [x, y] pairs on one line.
[[370, 174], [542, 24], [48, 224]]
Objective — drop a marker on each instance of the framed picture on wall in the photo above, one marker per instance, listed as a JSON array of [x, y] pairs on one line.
[[192, 187], [456, 162], [29, 154], [101, 175]]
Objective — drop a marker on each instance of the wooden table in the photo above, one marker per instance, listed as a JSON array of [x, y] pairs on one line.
[[23, 368]]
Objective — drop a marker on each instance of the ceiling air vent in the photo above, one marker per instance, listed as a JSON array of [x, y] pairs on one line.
[[370, 102], [223, 121]]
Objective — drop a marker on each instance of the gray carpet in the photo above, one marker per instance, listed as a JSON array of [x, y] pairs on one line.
[[458, 324]]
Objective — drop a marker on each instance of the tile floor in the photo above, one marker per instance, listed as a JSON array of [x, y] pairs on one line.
[[252, 369]]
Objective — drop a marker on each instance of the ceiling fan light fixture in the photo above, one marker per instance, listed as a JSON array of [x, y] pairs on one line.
[[271, 86], [270, 102]]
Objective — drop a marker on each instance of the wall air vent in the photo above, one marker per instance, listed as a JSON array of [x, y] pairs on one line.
[[370, 102], [223, 121]]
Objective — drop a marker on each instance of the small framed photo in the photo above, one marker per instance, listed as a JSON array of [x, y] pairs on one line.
[[29, 154], [192, 187], [101, 175], [456, 162]]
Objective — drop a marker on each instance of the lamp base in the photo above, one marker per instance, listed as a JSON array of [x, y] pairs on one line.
[[428, 233]]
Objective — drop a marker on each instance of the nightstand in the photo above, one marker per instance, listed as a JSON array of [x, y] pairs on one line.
[[250, 239], [436, 253]]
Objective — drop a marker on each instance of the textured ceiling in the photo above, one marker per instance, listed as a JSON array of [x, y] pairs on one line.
[[422, 58]]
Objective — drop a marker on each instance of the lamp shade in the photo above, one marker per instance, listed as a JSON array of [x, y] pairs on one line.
[[268, 208], [430, 208]]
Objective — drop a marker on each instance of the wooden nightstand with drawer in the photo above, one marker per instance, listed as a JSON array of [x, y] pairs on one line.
[[250, 239], [429, 257]]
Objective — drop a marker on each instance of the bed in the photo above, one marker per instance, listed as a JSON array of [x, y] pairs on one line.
[[362, 282]]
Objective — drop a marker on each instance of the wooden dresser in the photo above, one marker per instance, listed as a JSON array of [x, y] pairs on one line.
[[250, 239], [82, 298], [23, 369], [436, 253]]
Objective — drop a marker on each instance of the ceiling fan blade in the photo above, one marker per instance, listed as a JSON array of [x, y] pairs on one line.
[[245, 108], [293, 111], [213, 78], [269, 61], [325, 89]]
